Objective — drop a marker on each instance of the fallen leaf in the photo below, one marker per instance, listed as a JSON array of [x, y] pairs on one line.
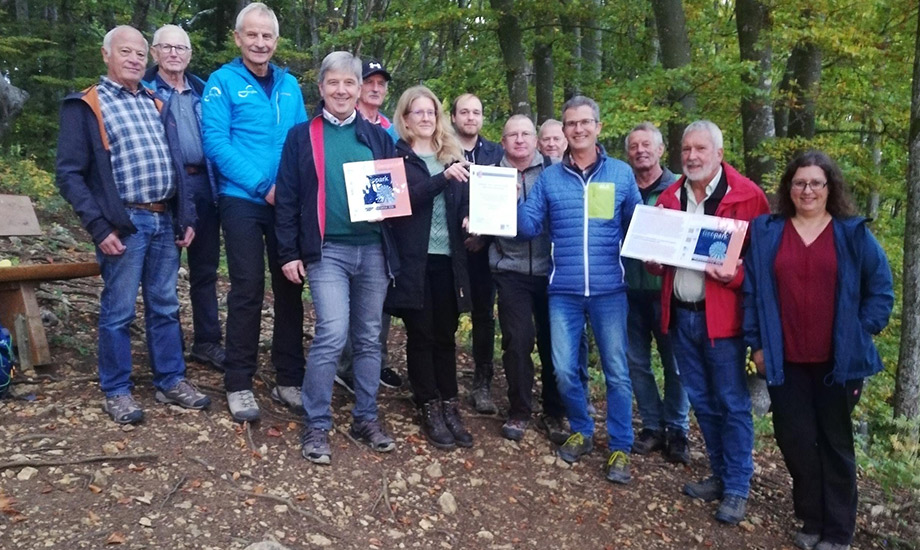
[[95, 488], [273, 432], [115, 538]]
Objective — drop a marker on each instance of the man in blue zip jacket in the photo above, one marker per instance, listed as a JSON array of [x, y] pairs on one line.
[[588, 201], [248, 107], [180, 93]]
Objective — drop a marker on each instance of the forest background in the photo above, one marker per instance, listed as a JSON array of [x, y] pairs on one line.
[[778, 76]]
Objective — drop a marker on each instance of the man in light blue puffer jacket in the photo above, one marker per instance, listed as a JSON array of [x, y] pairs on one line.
[[248, 107], [587, 201]]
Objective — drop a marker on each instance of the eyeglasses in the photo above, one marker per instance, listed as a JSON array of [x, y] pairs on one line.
[[814, 185], [572, 124], [422, 113], [519, 135], [181, 50]]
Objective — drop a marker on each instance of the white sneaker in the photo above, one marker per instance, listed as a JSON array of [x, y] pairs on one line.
[[290, 397], [243, 406]]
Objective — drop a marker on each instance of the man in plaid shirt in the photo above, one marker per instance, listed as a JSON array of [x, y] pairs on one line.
[[116, 168]]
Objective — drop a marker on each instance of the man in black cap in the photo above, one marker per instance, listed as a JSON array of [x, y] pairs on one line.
[[373, 93]]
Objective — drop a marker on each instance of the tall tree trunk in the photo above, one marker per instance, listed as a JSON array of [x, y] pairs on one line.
[[22, 11], [675, 53], [907, 386], [509, 40], [139, 17], [591, 43], [544, 80], [805, 64], [754, 22], [572, 86]]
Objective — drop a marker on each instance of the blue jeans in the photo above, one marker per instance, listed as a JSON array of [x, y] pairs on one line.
[[712, 371], [643, 322], [607, 315], [348, 286], [150, 261]]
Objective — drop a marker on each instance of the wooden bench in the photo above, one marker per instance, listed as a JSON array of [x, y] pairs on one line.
[[19, 310]]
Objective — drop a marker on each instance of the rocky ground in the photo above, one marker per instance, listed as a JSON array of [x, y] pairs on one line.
[[71, 478]]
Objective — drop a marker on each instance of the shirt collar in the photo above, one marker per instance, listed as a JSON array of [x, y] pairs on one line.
[[116, 87], [336, 122]]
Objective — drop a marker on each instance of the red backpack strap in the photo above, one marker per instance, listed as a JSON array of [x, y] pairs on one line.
[[319, 161]]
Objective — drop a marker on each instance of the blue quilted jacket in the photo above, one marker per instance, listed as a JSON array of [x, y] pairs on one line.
[[585, 250]]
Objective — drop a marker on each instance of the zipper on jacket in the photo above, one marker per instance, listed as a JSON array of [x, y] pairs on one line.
[[585, 184]]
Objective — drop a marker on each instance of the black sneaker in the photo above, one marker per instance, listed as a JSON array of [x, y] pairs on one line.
[[514, 429], [649, 441], [554, 428], [707, 490], [346, 382], [677, 448], [732, 509], [389, 378], [208, 353], [372, 434]]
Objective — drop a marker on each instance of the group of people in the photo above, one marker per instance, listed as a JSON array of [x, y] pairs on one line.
[[156, 159]]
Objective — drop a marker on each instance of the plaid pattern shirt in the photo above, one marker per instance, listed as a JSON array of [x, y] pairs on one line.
[[141, 162]]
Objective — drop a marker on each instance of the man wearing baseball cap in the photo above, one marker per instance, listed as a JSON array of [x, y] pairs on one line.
[[373, 93]]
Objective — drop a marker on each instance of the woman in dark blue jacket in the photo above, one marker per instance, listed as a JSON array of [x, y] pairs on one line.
[[817, 287], [432, 287]]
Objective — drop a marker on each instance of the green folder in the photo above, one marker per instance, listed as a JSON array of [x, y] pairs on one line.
[[601, 200]]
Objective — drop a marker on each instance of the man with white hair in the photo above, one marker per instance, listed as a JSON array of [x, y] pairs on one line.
[[248, 107], [180, 92], [118, 166], [702, 312]]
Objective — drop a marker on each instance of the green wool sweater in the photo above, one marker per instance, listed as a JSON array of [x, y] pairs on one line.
[[341, 146]]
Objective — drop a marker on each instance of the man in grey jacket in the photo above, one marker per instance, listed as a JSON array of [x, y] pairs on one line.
[[519, 269]]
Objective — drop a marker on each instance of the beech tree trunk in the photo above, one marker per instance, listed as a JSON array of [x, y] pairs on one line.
[[754, 23], [675, 53], [544, 79], [907, 386], [805, 75], [509, 41]]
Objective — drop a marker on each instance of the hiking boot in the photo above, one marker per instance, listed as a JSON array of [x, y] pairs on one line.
[[481, 400], [805, 541], [707, 490], [575, 447], [433, 426], [676, 447], [208, 353], [346, 382], [315, 446], [554, 427], [451, 411], [389, 378], [649, 441], [731, 511], [184, 394], [243, 406], [514, 429], [372, 434], [290, 397], [618, 468], [123, 409], [825, 545]]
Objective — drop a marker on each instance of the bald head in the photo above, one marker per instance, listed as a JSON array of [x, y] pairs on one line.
[[551, 140], [519, 140]]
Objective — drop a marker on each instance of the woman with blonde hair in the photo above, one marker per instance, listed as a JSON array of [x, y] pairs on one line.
[[432, 287]]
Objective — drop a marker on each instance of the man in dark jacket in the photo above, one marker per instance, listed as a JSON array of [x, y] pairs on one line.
[[349, 264], [664, 422], [118, 166], [180, 92], [466, 116]]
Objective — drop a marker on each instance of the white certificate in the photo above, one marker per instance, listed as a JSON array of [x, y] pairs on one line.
[[493, 200], [674, 237]]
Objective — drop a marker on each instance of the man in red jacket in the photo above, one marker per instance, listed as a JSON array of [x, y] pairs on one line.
[[702, 312]]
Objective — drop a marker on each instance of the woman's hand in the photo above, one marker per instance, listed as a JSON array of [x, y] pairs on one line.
[[294, 271], [458, 171]]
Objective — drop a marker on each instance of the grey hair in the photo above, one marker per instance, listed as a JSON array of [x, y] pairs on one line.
[[705, 126], [107, 39], [164, 28], [261, 8], [582, 101], [645, 127], [549, 122], [340, 61]]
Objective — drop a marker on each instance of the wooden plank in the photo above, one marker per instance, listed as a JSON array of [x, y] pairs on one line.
[[17, 217], [48, 272], [19, 299]]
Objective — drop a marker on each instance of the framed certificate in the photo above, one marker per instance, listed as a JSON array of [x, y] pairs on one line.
[[377, 188], [676, 238], [493, 200]]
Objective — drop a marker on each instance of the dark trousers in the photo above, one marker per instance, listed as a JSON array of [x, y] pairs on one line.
[[482, 294], [203, 259], [811, 420], [431, 349], [249, 232], [523, 313]]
